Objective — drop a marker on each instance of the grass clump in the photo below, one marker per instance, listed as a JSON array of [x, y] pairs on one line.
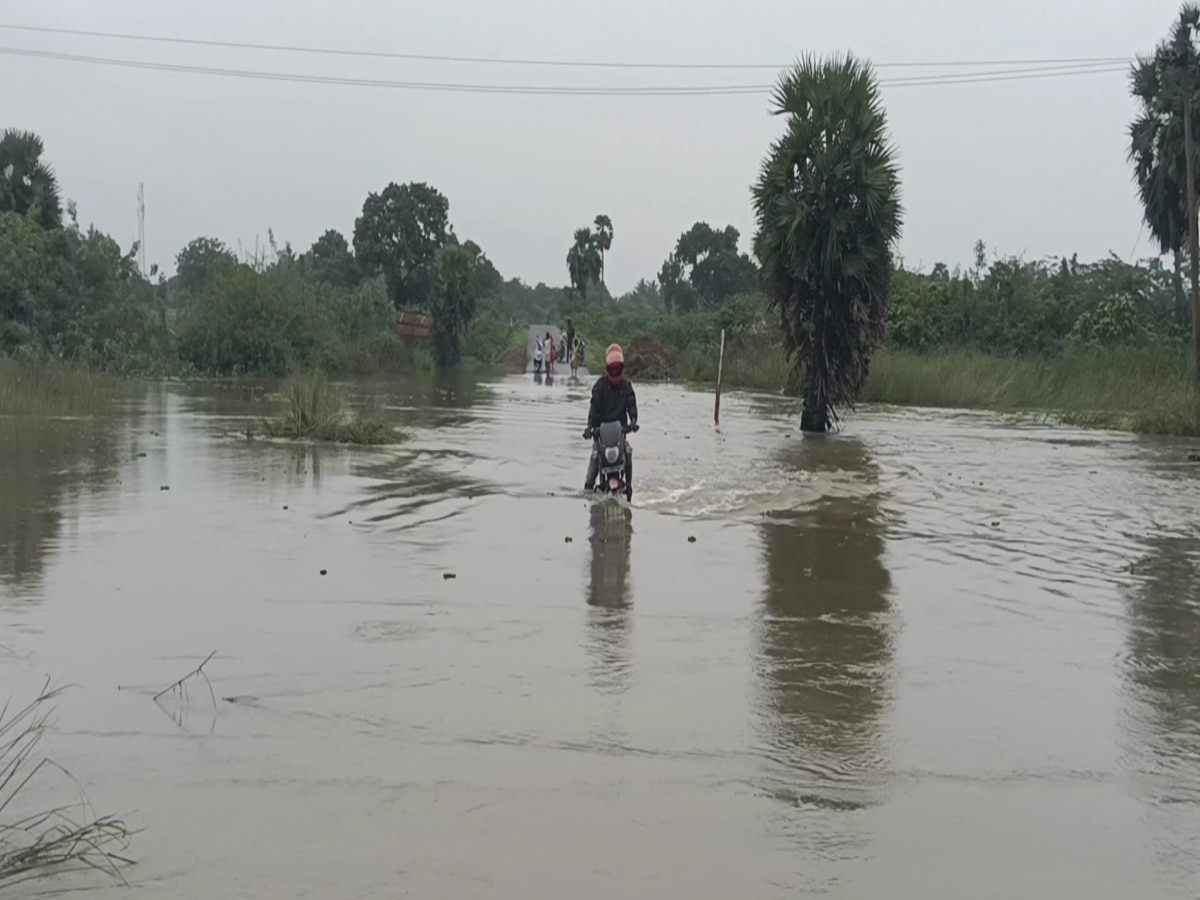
[[49, 387], [314, 409], [38, 844]]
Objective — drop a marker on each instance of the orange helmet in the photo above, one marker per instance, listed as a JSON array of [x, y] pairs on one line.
[[614, 363]]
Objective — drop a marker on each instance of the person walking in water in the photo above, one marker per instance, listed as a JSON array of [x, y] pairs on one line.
[[571, 338], [550, 354], [576, 356]]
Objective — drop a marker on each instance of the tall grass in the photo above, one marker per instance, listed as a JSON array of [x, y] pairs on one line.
[[51, 387], [36, 842], [1146, 390], [314, 409]]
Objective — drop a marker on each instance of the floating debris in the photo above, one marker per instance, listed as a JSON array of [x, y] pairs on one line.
[[446, 576], [164, 487], [691, 539], [568, 539], [324, 571]]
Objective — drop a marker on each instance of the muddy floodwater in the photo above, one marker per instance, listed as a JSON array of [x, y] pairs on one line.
[[933, 656]]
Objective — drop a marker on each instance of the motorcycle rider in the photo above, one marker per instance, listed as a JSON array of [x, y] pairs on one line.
[[613, 400]]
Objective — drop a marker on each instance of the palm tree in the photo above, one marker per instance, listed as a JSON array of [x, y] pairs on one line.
[[583, 261], [27, 185], [603, 235], [828, 209], [1159, 147]]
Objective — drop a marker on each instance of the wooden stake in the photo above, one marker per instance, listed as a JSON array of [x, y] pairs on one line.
[[720, 375]]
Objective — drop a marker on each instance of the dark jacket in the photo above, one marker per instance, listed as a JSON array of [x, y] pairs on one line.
[[612, 403]]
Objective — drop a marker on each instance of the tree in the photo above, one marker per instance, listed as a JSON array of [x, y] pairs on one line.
[[827, 205], [28, 187], [488, 280], [1162, 141], [604, 237], [199, 261], [706, 268], [584, 261], [333, 261], [455, 299], [398, 235]]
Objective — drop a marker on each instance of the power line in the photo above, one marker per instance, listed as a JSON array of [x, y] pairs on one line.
[[506, 61], [602, 91]]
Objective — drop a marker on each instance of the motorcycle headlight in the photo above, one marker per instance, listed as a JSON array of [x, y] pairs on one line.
[[611, 454]]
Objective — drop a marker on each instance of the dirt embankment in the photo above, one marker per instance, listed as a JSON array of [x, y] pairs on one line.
[[647, 360]]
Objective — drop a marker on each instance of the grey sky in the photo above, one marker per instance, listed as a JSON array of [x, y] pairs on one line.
[[1034, 166]]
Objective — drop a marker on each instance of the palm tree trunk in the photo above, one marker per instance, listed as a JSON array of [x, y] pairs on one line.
[[1189, 146]]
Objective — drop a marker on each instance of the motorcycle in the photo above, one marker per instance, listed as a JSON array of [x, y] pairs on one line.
[[537, 360], [609, 441]]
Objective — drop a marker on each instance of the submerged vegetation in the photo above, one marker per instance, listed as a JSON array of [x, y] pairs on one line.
[[36, 842], [48, 387], [314, 409]]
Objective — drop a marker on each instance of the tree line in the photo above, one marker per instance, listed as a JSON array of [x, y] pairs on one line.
[[823, 275]]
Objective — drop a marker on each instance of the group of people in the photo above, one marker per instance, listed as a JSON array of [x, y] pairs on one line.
[[570, 347]]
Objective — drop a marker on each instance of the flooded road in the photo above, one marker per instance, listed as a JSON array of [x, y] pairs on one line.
[[935, 656]]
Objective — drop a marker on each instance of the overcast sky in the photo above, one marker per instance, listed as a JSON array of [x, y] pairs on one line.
[[1032, 166]]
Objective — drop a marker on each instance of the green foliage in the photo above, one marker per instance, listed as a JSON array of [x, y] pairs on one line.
[[706, 268], [76, 297], [457, 279], [333, 261], [1156, 136], [399, 235], [28, 186], [199, 261], [274, 321], [585, 260], [828, 210], [1018, 308]]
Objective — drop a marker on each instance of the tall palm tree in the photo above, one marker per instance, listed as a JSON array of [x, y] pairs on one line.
[[603, 235], [583, 261], [828, 208], [28, 186], [1158, 143]]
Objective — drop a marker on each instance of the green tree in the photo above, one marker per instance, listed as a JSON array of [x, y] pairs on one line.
[[584, 261], [604, 237], [1165, 86], [28, 187], [333, 261], [828, 209], [398, 235], [455, 300], [199, 261], [706, 268]]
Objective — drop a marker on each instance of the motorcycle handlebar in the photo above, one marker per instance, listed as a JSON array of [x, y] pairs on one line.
[[589, 433]]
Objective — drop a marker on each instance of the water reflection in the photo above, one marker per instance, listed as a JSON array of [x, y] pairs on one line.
[[825, 638], [436, 400], [611, 532], [1163, 675], [44, 465]]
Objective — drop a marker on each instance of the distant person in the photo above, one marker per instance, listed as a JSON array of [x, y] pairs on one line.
[[613, 400], [550, 353], [576, 356], [570, 336]]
